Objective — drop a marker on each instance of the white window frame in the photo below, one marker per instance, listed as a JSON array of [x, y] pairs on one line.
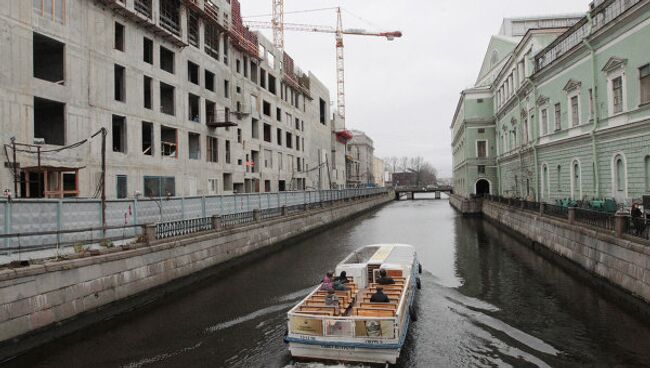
[[570, 96], [576, 188], [487, 153], [642, 103], [615, 189], [543, 132], [620, 72]]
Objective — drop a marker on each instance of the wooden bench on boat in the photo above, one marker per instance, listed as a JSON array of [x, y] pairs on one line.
[[374, 312], [378, 305], [317, 313]]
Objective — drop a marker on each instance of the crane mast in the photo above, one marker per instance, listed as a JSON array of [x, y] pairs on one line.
[[340, 68], [278, 24]]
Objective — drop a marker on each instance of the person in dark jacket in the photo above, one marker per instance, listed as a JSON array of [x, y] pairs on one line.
[[383, 279], [343, 278], [379, 296]]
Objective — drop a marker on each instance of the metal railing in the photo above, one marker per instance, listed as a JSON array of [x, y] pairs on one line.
[[171, 229], [556, 211], [620, 223], [601, 220], [237, 218]]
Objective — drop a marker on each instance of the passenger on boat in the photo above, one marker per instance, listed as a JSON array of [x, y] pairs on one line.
[[343, 278], [379, 296], [383, 279], [327, 282], [338, 285], [331, 298]]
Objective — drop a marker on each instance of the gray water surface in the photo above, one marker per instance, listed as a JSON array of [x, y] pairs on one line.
[[486, 301]]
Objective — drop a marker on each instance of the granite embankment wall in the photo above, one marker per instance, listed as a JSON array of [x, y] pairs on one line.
[[38, 296], [464, 205], [621, 262]]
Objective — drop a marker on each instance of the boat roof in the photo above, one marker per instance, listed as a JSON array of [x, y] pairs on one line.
[[398, 254]]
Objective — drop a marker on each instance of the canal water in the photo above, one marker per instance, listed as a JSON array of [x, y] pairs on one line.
[[486, 301]]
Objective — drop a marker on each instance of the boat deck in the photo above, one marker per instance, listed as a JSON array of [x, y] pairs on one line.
[[355, 302]]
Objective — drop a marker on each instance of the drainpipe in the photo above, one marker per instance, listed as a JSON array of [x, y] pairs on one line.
[[596, 109]]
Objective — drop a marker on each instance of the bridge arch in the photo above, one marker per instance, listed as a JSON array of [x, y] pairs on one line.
[[482, 186]]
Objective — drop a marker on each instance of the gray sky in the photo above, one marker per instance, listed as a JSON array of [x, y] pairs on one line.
[[403, 93]]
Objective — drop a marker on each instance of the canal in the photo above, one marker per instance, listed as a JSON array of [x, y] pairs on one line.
[[486, 300]]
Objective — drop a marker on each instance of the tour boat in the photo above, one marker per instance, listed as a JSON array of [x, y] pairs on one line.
[[358, 330]]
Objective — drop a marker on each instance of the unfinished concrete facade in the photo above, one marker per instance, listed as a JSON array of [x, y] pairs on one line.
[[192, 102], [359, 160]]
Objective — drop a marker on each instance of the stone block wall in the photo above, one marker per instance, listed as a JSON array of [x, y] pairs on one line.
[[41, 295], [466, 206], [623, 263]]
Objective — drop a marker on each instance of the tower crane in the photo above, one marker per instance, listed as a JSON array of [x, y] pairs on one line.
[[278, 26]]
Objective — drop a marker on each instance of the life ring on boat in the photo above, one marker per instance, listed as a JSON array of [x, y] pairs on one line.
[[419, 267], [413, 314], [418, 283]]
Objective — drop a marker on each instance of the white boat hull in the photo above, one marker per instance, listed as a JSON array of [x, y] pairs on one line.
[[344, 353]]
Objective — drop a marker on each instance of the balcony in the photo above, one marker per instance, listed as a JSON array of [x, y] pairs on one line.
[[143, 7], [219, 119]]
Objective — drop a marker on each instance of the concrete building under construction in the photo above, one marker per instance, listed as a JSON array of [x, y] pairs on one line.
[[190, 101]]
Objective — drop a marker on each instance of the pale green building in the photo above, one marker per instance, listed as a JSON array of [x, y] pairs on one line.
[[571, 109]]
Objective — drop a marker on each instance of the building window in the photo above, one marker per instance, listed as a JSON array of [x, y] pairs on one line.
[[266, 108], [575, 111], [545, 183], [289, 140], [544, 122], [279, 136], [255, 129], [559, 178], [194, 146], [168, 142], [272, 84], [167, 99], [209, 81], [192, 73], [167, 62], [211, 40], [262, 78], [322, 110], [576, 185], [239, 136], [147, 50], [591, 103], [119, 134], [147, 138], [267, 133], [51, 9], [644, 80], [227, 151], [159, 186], [558, 117], [268, 158], [647, 173], [48, 55], [481, 169], [193, 28], [49, 121], [148, 96], [617, 94], [619, 173], [120, 83], [278, 114], [212, 149], [213, 186], [119, 36], [194, 103], [226, 89], [121, 188], [481, 149]]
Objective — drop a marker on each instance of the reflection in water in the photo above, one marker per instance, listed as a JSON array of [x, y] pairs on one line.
[[486, 301]]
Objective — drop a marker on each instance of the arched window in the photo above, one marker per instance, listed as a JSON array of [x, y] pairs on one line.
[[576, 183], [559, 178], [545, 187], [620, 174], [647, 173]]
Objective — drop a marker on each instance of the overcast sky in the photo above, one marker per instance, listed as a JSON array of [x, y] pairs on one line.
[[403, 93]]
